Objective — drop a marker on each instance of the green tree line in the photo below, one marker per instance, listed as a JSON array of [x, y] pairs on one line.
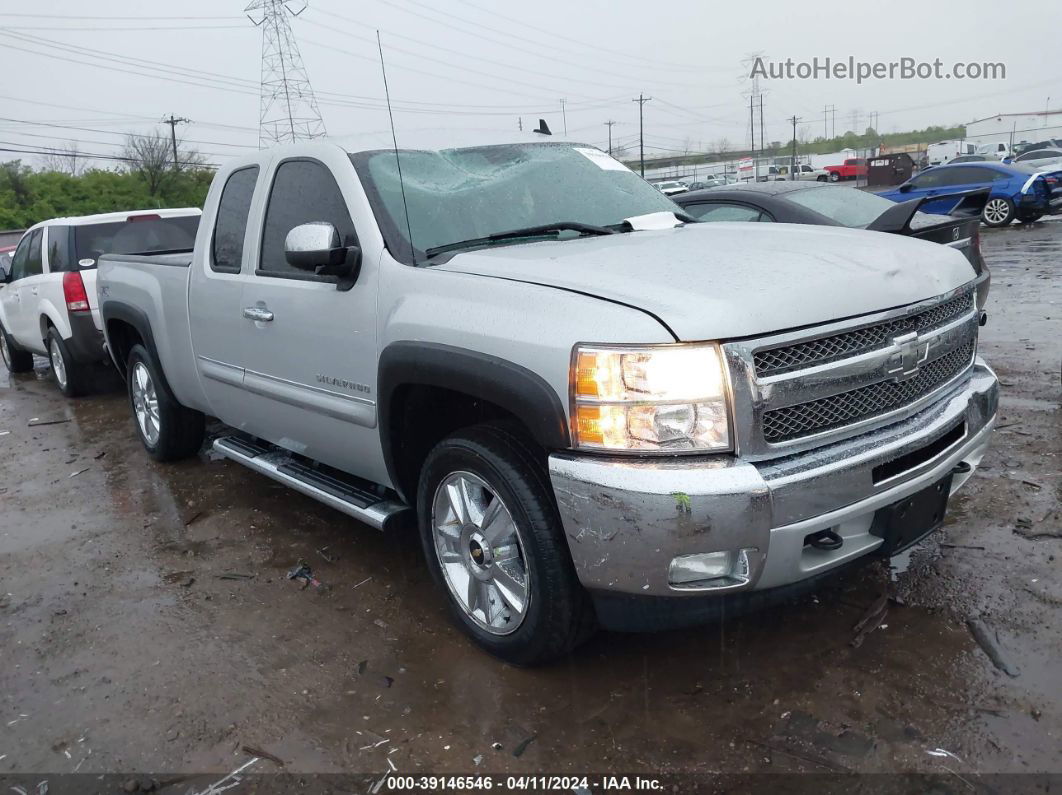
[[28, 196]]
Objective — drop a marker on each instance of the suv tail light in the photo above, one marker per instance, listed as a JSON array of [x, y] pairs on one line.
[[74, 293]]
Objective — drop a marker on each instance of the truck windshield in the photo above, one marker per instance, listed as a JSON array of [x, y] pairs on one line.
[[140, 234], [466, 194]]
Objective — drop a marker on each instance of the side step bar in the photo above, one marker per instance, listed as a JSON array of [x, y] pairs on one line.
[[350, 496]]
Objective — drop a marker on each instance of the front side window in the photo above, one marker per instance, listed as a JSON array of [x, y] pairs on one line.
[[457, 195], [231, 223], [303, 191], [18, 261]]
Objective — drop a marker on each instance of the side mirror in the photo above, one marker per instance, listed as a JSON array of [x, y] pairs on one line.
[[316, 247], [906, 187]]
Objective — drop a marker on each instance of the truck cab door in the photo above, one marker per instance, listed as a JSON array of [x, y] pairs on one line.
[[310, 349], [215, 294]]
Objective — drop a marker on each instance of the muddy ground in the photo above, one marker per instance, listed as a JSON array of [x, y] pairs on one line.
[[147, 626]]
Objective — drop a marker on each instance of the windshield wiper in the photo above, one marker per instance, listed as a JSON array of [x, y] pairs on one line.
[[516, 234]]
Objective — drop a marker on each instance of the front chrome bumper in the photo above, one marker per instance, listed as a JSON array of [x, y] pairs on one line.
[[626, 520]]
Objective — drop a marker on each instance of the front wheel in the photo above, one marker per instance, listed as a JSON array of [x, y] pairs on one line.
[[167, 429], [834, 177], [998, 212], [493, 540]]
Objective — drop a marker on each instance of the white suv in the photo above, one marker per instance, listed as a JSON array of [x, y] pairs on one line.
[[48, 291]]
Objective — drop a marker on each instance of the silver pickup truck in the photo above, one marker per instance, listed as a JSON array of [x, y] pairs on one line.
[[599, 413]]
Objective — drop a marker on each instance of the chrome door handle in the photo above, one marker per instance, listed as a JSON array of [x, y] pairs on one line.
[[257, 313]]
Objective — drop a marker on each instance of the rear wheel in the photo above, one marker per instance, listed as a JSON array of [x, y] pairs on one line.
[[167, 429], [493, 540], [16, 361], [70, 376], [998, 212]]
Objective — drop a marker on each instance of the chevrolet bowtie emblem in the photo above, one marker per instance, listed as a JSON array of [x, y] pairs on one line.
[[913, 351]]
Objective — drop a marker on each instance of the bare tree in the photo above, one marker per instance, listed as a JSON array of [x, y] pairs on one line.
[[151, 156], [65, 161], [722, 146]]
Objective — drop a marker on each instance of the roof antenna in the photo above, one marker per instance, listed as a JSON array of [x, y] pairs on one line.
[[398, 160], [543, 128]]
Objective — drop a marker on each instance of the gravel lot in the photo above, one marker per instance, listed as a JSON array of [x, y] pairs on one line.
[[147, 626]]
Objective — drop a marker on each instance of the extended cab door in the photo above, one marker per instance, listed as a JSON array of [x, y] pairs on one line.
[[310, 349], [215, 295]]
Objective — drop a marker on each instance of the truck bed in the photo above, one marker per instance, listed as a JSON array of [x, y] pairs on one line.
[[156, 286]]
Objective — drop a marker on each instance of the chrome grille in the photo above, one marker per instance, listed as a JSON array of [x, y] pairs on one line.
[[852, 343], [793, 422]]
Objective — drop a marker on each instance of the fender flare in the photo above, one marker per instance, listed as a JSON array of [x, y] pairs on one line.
[[518, 390], [138, 319]]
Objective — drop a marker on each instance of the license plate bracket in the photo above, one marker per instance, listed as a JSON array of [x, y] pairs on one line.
[[906, 522]]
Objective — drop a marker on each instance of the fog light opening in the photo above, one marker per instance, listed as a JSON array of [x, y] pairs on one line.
[[706, 570]]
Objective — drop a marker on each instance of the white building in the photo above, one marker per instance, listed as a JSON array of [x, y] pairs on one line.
[[1015, 128]]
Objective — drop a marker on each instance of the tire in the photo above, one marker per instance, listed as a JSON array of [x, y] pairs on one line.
[[820, 178], [70, 376], [834, 177], [998, 212], [168, 430], [16, 361], [491, 475]]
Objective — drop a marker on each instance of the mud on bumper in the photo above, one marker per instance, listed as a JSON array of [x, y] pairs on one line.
[[626, 520]]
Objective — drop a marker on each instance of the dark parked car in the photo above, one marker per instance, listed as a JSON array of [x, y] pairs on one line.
[[835, 205]]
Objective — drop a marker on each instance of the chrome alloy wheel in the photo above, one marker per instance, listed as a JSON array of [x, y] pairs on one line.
[[145, 404], [480, 553], [996, 211], [58, 364]]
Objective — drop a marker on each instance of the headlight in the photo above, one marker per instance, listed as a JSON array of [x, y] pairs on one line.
[[664, 399]]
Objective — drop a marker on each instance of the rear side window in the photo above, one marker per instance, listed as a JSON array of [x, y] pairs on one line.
[[59, 254], [303, 191], [231, 224], [139, 234]]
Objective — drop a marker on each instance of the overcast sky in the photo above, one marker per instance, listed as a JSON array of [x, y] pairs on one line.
[[71, 64]]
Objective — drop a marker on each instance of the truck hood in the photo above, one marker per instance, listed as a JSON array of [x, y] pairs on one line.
[[728, 280]]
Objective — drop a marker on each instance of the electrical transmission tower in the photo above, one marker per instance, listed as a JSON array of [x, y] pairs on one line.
[[289, 109]]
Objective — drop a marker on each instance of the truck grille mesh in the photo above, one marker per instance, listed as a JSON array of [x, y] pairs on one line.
[[853, 343], [791, 422]]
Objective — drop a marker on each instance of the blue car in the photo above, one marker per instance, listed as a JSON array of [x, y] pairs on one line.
[[1017, 192]]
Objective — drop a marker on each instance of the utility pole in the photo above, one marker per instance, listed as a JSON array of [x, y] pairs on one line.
[[564, 117], [833, 126], [752, 132], [173, 121], [793, 157], [520, 123], [641, 130], [762, 139], [609, 124]]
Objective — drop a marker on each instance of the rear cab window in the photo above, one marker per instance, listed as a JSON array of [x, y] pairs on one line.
[[231, 225], [138, 234]]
